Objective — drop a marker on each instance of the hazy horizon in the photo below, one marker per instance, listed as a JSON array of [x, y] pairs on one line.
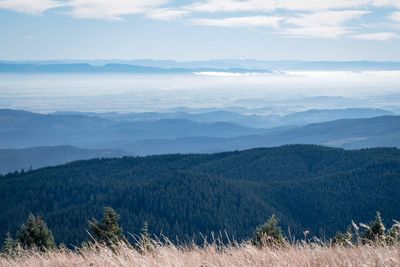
[[174, 59]]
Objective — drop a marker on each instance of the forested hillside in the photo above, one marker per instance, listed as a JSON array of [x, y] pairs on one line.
[[36, 157], [309, 187]]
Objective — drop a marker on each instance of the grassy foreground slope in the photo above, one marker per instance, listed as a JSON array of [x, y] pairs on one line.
[[309, 187], [246, 255]]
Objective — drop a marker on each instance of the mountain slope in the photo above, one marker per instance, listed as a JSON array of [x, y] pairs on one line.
[[324, 115], [381, 131], [248, 120], [360, 129], [21, 129], [310, 187], [37, 157]]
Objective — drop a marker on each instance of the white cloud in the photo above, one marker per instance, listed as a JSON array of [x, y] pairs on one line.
[[251, 21], [319, 5], [91, 9], [32, 7], [309, 19], [298, 18], [231, 6], [325, 32], [111, 9], [325, 24], [395, 16], [167, 14], [326, 18], [377, 36], [299, 5], [385, 3]]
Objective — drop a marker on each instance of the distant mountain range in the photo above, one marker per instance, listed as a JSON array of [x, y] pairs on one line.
[[152, 133], [19, 129], [240, 64], [249, 120], [110, 68], [37, 157], [350, 133]]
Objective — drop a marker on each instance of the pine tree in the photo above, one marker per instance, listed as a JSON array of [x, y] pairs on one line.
[[375, 231], [394, 234], [10, 246], [35, 234], [145, 244], [343, 239], [269, 234], [108, 230]]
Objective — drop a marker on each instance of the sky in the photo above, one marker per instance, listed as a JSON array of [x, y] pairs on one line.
[[200, 29]]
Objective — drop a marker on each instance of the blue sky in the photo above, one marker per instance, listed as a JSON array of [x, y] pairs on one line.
[[200, 29]]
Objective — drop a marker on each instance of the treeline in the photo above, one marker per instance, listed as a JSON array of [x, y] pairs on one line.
[[311, 188], [35, 235]]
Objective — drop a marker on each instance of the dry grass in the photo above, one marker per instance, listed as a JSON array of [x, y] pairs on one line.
[[210, 255]]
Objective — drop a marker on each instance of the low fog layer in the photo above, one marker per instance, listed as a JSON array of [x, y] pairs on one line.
[[275, 93]]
